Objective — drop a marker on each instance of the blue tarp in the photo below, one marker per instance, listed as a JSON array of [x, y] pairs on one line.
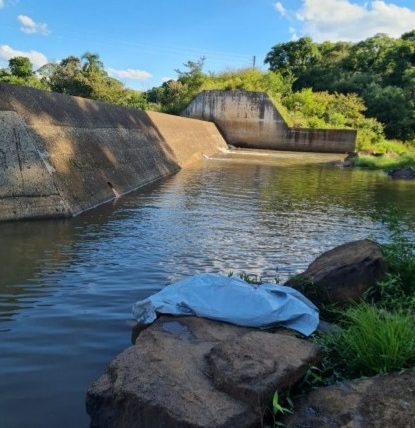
[[232, 300]]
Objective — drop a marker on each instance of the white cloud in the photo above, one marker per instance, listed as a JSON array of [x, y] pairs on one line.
[[347, 20], [6, 52], [130, 73], [31, 27], [279, 7]]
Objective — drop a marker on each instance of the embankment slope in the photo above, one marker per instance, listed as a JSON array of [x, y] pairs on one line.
[[61, 155]]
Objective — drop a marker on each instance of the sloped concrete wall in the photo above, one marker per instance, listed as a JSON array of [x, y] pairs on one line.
[[61, 155], [26, 185], [250, 119]]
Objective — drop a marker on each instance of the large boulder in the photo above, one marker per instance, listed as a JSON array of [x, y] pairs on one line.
[[192, 372], [384, 401], [342, 274]]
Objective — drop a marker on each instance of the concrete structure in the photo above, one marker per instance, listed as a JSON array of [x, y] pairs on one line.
[[61, 155], [250, 119]]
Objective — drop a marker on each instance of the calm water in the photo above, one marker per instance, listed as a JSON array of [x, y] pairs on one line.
[[66, 287]]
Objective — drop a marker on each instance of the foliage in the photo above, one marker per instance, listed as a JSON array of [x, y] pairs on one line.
[[84, 77], [368, 86], [304, 108], [326, 110], [374, 341], [400, 257], [21, 66], [174, 95], [20, 72], [293, 57], [379, 69], [386, 162], [250, 278], [377, 335], [279, 410]]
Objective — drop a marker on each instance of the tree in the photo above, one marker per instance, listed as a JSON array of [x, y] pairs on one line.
[[379, 69], [68, 78], [192, 77], [293, 57], [409, 36], [21, 66], [92, 63]]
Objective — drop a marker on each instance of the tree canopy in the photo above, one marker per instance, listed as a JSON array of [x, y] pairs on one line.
[[380, 69], [84, 77]]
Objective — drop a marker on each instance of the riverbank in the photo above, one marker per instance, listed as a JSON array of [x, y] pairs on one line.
[[386, 162], [367, 289]]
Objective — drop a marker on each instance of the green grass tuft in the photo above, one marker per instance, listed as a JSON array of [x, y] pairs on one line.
[[374, 341], [386, 162]]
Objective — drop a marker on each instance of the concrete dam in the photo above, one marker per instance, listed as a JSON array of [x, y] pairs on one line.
[[61, 155], [251, 120]]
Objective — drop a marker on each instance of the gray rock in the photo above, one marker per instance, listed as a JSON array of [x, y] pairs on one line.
[[407, 173], [383, 401], [342, 274], [193, 372]]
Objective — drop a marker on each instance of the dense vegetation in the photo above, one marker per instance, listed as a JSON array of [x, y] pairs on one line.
[[304, 108], [84, 77], [380, 69], [369, 86], [377, 335]]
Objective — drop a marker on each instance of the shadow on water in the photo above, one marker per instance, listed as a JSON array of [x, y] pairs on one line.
[[82, 139]]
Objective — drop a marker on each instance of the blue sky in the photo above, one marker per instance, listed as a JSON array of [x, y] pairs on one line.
[[141, 42]]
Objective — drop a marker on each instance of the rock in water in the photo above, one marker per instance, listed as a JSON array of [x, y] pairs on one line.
[[341, 274], [383, 401], [407, 173], [192, 372]]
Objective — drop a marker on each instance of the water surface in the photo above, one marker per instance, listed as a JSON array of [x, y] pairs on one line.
[[66, 287]]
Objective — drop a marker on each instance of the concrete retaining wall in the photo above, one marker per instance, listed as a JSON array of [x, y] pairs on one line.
[[61, 155], [250, 119]]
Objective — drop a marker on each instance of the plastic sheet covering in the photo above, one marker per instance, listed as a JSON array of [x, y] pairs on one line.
[[232, 300]]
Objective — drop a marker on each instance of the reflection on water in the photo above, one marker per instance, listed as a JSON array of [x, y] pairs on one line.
[[66, 287]]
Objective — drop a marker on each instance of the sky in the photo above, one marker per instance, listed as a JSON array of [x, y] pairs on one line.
[[142, 42]]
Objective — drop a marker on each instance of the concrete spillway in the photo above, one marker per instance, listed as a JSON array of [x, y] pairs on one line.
[[61, 155], [250, 119]]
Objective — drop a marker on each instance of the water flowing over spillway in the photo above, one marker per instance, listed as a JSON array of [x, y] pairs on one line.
[[67, 286]]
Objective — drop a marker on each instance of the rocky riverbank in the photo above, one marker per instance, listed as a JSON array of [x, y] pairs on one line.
[[193, 372], [400, 167]]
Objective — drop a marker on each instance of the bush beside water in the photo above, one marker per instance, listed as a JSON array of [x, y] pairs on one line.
[[378, 333]]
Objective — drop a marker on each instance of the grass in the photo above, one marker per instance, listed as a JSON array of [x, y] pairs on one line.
[[386, 162], [374, 341], [387, 147], [390, 154], [378, 333]]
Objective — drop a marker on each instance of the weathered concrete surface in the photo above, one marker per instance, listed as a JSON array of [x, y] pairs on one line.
[[342, 274], [379, 402], [250, 119], [192, 372], [78, 153], [26, 185]]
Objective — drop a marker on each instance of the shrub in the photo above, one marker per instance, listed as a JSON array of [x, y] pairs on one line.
[[386, 162], [374, 341], [400, 257]]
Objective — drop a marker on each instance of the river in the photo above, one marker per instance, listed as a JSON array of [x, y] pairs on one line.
[[67, 286]]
